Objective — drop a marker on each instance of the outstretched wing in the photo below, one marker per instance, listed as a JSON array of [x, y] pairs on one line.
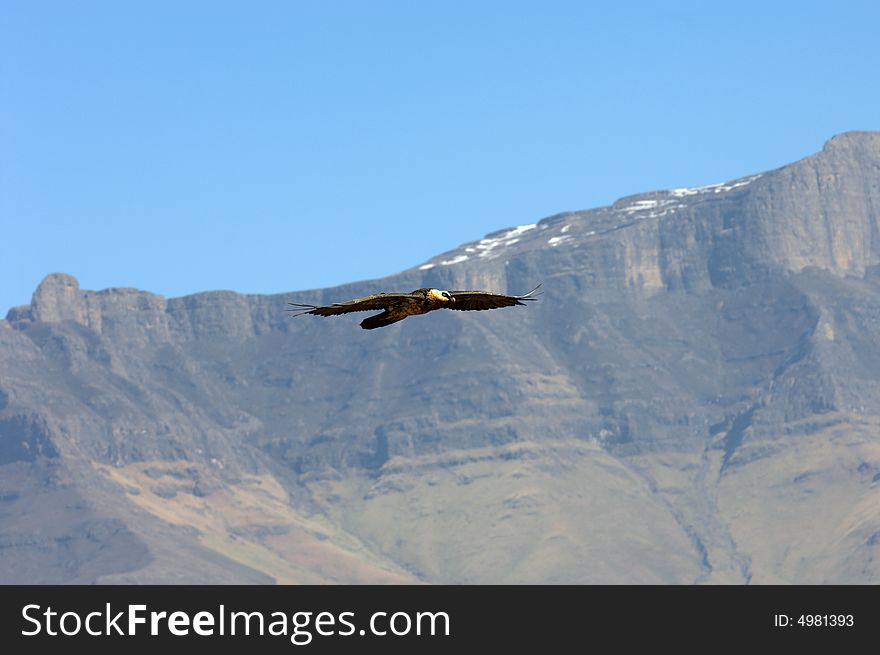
[[480, 300], [367, 303]]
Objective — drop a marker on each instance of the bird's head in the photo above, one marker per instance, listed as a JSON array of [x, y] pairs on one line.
[[440, 295]]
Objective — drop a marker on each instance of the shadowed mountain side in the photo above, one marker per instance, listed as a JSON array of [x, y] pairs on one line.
[[696, 351]]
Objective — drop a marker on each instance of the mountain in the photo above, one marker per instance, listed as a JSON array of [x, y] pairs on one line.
[[694, 399]]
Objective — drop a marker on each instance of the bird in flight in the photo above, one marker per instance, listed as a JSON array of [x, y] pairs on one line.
[[397, 306]]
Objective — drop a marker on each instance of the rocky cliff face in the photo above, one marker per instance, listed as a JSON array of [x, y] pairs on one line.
[[695, 398]]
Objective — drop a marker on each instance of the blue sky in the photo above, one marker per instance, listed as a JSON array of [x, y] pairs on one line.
[[267, 147]]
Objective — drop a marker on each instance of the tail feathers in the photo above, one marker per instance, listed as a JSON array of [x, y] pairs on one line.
[[379, 320]]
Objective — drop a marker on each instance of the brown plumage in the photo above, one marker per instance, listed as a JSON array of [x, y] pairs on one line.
[[397, 306]]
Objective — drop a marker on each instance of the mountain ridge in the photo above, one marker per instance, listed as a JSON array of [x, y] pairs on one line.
[[63, 287], [700, 357]]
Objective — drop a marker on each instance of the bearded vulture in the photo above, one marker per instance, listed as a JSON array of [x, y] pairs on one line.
[[397, 306]]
